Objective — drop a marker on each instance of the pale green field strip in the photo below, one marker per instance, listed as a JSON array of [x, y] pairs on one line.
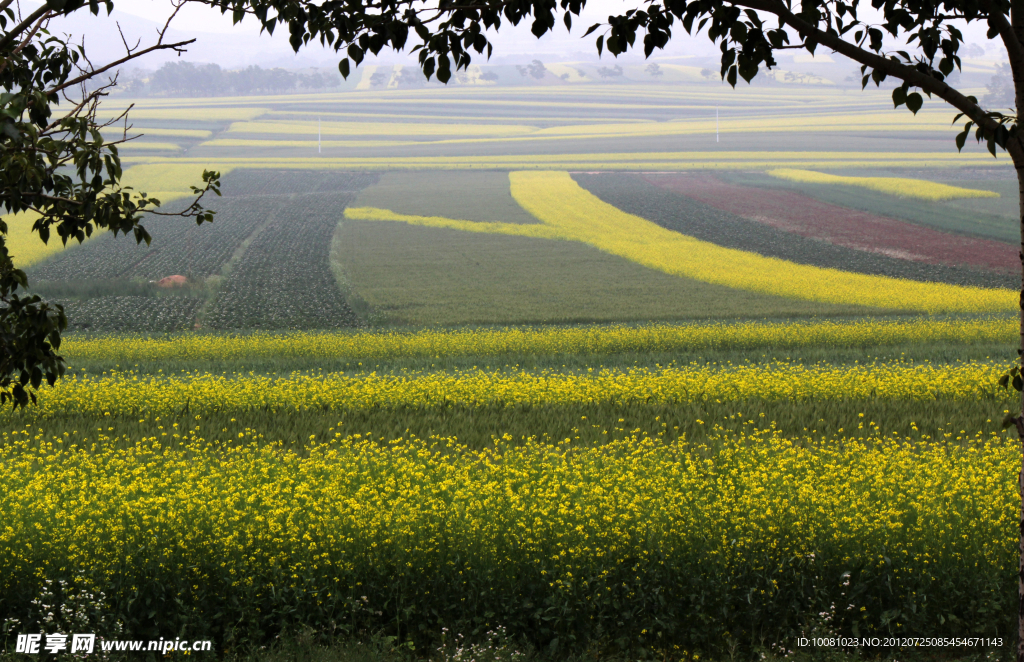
[[523, 133], [270, 143], [138, 145], [568, 212], [650, 161], [194, 112], [439, 277], [456, 105], [311, 116], [554, 98], [686, 95], [902, 187], [806, 98], [476, 195], [156, 131], [579, 106], [284, 144], [379, 129]]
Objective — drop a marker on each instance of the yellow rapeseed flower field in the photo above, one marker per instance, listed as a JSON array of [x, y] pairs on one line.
[[119, 393], [170, 179], [902, 187], [644, 525], [376, 345], [24, 245]]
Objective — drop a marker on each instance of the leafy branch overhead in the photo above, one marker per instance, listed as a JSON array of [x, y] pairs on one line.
[[56, 164], [748, 32]]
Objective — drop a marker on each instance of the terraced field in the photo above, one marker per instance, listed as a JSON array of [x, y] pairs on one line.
[[500, 248], [283, 279]]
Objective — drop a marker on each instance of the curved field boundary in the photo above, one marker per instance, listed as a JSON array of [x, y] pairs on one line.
[[558, 201], [904, 188], [570, 212], [687, 216], [520, 229], [799, 214]]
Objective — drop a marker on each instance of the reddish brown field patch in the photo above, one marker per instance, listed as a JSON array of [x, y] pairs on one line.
[[799, 214]]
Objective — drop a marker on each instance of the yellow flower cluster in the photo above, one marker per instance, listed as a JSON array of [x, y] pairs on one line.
[[564, 517], [593, 340], [569, 212], [903, 187], [130, 393]]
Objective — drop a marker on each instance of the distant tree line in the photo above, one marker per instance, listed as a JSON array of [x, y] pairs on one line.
[[1001, 92], [187, 79]]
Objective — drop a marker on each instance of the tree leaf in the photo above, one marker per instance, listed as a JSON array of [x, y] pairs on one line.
[[914, 102]]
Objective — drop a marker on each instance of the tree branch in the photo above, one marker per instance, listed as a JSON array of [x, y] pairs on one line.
[[908, 74], [1014, 49], [21, 27], [178, 46], [24, 42]]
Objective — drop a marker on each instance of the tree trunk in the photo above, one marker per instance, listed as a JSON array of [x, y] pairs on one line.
[[1019, 421], [1014, 148]]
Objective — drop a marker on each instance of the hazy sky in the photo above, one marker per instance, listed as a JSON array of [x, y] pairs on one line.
[[211, 20], [206, 19], [238, 45]]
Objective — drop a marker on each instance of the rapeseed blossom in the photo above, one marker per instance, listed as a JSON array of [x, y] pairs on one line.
[[117, 393], [548, 341], [753, 517], [900, 186]]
